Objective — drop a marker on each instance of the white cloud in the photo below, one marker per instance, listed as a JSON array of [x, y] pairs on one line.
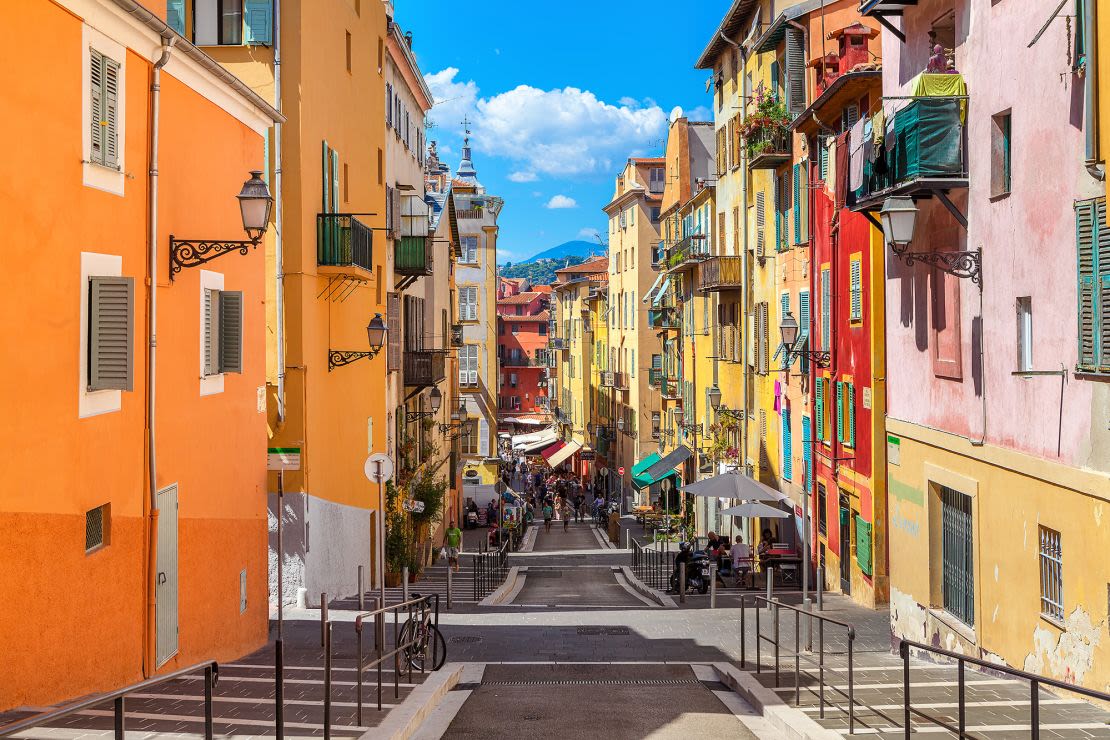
[[589, 232], [523, 176], [701, 113], [564, 132], [561, 201]]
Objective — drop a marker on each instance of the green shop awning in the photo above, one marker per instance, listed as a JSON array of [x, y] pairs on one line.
[[640, 477]]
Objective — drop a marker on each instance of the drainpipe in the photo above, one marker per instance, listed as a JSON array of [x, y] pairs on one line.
[[1090, 94], [149, 658], [279, 271]]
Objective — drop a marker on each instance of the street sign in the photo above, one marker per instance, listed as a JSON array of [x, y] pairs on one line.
[[415, 507], [603, 471], [378, 467], [283, 458], [620, 470]]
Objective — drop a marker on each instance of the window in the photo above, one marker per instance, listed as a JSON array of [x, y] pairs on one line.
[[819, 407], [468, 364], [1000, 154], [957, 541], [513, 377], [787, 451], [468, 246], [111, 319], [104, 109], [97, 527], [822, 516], [516, 328], [231, 22], [655, 214], [657, 179], [1025, 334], [1052, 575], [520, 310], [348, 51], [1094, 286], [223, 331], [855, 275], [468, 442], [501, 328], [543, 329], [468, 303]]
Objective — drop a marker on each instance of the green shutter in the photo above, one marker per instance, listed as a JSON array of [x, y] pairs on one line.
[[775, 80], [1102, 244], [823, 162], [325, 159], [175, 15], [820, 405], [787, 447], [335, 181], [839, 411], [231, 331], [856, 289], [258, 19], [110, 329], [1085, 235], [850, 400], [863, 545], [797, 204]]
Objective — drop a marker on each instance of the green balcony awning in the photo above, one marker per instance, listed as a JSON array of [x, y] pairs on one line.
[[640, 477]]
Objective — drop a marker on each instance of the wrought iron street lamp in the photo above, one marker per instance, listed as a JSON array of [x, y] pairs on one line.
[[255, 203], [899, 218], [788, 327], [725, 411], [376, 332], [435, 400]]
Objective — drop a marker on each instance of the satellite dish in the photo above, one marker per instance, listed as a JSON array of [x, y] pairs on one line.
[[676, 113]]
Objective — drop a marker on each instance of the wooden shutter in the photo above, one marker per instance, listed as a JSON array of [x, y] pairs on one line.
[[850, 401], [760, 222], [483, 436], [395, 210], [1103, 245], [787, 447], [819, 407], [111, 111], [175, 15], [464, 363], [863, 545], [231, 331], [798, 193], [795, 72], [856, 289], [823, 161], [826, 298], [839, 411], [334, 181], [388, 104], [96, 106], [393, 337], [803, 327], [110, 327], [807, 452], [325, 160], [258, 19], [1085, 235], [211, 332], [389, 233], [473, 377]]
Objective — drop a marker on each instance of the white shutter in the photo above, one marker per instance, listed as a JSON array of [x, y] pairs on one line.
[[464, 360], [211, 332], [760, 222], [474, 364], [483, 437]]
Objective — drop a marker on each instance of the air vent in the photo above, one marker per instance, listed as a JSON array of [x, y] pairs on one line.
[[96, 527]]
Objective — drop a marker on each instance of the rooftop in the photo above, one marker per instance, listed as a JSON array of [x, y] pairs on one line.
[[525, 297]]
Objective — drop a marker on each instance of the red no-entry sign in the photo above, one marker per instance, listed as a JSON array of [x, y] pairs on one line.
[[620, 470]]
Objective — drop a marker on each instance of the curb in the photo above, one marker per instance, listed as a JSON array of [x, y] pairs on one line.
[[663, 599], [505, 589], [792, 723], [529, 539], [405, 719]]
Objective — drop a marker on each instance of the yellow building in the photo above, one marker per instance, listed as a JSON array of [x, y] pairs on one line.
[[330, 273], [633, 216]]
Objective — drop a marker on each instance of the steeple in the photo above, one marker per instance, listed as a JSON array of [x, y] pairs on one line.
[[466, 172]]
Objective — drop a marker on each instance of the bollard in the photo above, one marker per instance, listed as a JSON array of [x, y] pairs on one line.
[[361, 595], [770, 585], [820, 589], [682, 582], [323, 619], [627, 539], [712, 585], [450, 571], [405, 583]]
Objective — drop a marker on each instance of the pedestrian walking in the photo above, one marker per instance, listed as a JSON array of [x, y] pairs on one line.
[[454, 546], [566, 515], [548, 512]]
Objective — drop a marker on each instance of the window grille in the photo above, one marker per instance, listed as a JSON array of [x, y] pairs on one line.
[[958, 555], [96, 528], [1052, 575]]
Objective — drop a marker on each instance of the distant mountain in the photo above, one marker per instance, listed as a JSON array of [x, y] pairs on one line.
[[541, 271], [577, 248]]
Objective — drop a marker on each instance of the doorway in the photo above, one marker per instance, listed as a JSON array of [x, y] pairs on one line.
[[845, 546], [165, 588]]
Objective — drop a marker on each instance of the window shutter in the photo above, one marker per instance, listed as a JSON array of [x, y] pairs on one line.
[[231, 331], [1103, 244], [807, 451], [464, 364], [395, 208], [175, 15], [839, 411], [850, 400], [258, 18], [775, 81], [863, 545], [1085, 241], [819, 404], [334, 181], [388, 104], [324, 162], [763, 336], [111, 319], [389, 233], [473, 365], [856, 290], [826, 298], [393, 337], [803, 328], [211, 332], [823, 162], [795, 72], [797, 204], [787, 447], [96, 106], [111, 106], [760, 222], [783, 310]]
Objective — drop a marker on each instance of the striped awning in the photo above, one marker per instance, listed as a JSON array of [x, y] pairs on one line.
[[560, 453], [654, 287]]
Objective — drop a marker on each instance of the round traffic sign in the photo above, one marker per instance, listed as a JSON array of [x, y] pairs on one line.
[[378, 467], [620, 470]]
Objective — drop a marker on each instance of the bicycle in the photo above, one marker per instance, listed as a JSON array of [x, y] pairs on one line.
[[417, 634]]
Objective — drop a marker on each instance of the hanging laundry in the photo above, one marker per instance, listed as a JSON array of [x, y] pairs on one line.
[[856, 139]]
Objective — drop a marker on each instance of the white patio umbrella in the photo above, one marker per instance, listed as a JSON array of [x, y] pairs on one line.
[[755, 509], [734, 485]]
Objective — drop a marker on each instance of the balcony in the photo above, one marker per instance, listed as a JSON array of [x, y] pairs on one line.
[[521, 360], [412, 255], [471, 213], [423, 368], [558, 343], [693, 248], [655, 377], [721, 273], [927, 155], [607, 379], [620, 381], [343, 241], [665, 318], [671, 389], [769, 147]]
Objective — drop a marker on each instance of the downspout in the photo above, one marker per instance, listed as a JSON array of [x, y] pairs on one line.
[[279, 271], [149, 658], [1090, 94]]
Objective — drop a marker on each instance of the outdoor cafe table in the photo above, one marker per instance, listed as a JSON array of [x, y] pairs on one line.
[[776, 558]]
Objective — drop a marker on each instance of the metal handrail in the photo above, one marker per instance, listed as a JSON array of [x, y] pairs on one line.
[[421, 603], [489, 570], [653, 567], [775, 605], [1035, 682], [211, 677]]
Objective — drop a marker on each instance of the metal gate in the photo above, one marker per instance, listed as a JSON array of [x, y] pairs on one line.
[[845, 547], [958, 575], [165, 591]]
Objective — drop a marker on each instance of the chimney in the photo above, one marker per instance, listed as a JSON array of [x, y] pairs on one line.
[[408, 38]]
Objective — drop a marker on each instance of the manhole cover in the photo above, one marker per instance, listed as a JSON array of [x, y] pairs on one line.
[[544, 574], [616, 630], [589, 630], [465, 638]]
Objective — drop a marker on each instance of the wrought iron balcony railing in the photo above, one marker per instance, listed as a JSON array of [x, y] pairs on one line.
[[343, 241], [721, 273], [423, 368], [412, 255], [769, 147]]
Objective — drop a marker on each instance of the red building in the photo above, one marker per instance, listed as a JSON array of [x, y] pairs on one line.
[[522, 320]]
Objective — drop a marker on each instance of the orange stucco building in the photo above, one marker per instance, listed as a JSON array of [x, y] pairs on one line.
[[117, 563]]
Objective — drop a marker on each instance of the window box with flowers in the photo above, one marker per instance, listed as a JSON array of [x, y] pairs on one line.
[[766, 133]]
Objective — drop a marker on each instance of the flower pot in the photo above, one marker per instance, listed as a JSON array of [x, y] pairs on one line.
[[392, 579]]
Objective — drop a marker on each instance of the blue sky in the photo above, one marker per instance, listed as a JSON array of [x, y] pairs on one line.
[[560, 95]]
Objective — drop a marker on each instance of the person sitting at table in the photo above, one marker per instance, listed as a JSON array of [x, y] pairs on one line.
[[724, 561], [766, 542], [713, 542], [741, 560]]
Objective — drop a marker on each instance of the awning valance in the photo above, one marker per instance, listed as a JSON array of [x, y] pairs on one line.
[[662, 291], [654, 286], [534, 441], [673, 459], [558, 455], [640, 475]]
